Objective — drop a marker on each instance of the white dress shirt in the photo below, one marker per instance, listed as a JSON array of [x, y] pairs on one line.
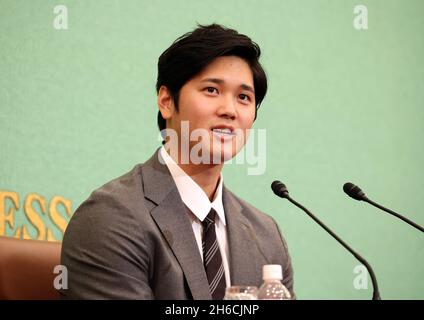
[[198, 202]]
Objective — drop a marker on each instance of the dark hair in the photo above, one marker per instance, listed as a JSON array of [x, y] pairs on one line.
[[193, 51]]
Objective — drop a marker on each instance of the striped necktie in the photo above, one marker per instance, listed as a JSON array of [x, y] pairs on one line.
[[212, 259]]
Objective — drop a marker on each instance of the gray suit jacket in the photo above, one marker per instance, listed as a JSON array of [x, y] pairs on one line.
[[132, 239]]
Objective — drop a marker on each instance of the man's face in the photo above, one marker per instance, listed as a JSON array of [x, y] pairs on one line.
[[221, 101]]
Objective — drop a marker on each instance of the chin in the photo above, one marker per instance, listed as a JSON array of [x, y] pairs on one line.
[[223, 153]]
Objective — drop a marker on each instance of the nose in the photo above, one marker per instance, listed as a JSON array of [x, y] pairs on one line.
[[227, 108]]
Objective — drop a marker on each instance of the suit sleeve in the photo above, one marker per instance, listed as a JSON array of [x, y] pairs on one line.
[[105, 254], [288, 274]]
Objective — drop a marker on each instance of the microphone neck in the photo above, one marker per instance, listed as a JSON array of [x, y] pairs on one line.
[[415, 225]]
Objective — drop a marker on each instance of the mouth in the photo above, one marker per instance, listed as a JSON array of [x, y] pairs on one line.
[[223, 132]]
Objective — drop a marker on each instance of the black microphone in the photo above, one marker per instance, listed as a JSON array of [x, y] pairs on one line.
[[356, 193], [280, 190]]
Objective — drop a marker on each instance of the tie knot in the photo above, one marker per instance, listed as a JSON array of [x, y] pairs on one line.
[[210, 218]]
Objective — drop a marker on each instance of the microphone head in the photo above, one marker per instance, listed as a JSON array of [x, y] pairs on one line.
[[280, 189], [354, 191]]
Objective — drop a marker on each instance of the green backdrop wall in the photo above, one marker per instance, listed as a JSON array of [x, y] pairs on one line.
[[78, 108]]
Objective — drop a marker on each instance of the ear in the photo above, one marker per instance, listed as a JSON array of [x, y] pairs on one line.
[[165, 103]]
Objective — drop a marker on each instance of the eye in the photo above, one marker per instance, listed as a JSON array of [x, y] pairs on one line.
[[244, 97], [211, 90]]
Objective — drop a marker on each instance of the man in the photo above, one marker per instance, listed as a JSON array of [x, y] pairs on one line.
[[170, 229]]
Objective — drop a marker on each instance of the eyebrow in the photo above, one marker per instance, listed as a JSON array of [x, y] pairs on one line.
[[220, 81]]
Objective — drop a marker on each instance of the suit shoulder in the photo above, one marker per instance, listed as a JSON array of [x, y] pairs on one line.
[[121, 195], [121, 185]]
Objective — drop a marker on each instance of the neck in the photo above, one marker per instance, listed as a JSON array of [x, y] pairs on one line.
[[205, 175]]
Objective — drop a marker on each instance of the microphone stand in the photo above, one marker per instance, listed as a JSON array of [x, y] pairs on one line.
[[376, 293], [280, 190]]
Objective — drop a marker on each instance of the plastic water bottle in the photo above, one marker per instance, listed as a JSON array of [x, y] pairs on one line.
[[272, 288]]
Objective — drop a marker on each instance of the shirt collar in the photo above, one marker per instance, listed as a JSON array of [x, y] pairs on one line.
[[192, 195]]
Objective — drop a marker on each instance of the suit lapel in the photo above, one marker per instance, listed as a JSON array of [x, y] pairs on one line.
[[245, 259], [171, 217]]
